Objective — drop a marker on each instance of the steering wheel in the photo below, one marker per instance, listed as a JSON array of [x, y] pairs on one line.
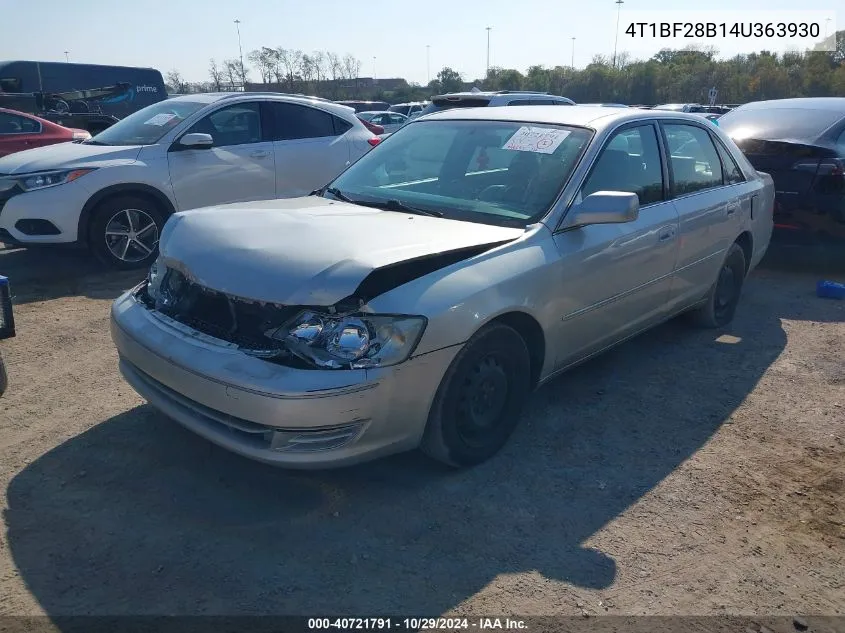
[[488, 190]]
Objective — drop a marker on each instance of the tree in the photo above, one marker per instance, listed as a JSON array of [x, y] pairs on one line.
[[352, 70], [291, 63], [216, 75], [264, 59], [175, 83], [232, 72], [449, 80], [318, 62], [504, 79]]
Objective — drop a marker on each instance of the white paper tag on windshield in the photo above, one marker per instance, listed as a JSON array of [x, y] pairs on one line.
[[161, 119], [542, 140]]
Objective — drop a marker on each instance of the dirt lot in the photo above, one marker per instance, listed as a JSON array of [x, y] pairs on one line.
[[687, 472]]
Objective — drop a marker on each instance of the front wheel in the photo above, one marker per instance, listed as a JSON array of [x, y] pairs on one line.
[[125, 231], [480, 398]]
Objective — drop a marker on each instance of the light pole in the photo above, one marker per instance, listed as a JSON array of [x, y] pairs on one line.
[[489, 28], [67, 59], [573, 54], [428, 63], [240, 50], [826, 24], [374, 68], [616, 41]]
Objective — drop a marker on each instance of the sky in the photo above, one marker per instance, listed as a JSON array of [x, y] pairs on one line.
[[390, 37]]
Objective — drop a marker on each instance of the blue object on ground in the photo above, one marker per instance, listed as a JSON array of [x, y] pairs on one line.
[[830, 290]]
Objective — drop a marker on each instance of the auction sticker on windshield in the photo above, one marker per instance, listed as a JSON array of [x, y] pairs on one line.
[[161, 119], [542, 140]]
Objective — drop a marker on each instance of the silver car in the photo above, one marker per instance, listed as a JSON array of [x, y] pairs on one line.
[[418, 299], [390, 121]]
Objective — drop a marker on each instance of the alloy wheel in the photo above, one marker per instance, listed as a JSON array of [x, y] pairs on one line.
[[131, 235]]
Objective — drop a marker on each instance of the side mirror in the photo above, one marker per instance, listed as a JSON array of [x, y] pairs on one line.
[[196, 140], [606, 207]]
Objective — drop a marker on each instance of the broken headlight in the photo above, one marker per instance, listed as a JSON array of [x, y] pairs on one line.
[[154, 279], [357, 341]]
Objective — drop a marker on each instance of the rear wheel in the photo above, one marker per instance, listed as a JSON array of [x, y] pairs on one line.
[[721, 302], [124, 232], [480, 398]]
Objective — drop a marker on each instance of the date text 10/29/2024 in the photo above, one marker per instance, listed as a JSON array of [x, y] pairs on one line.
[[415, 624]]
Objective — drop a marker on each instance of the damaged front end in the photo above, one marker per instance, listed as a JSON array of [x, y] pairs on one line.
[[342, 336]]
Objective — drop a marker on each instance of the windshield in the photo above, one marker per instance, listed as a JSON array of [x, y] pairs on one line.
[[493, 172], [778, 123], [147, 126]]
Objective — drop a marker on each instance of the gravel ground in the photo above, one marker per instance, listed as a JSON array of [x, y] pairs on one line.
[[686, 472]]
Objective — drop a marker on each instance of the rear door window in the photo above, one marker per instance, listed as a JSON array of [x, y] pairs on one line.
[[693, 159], [292, 121], [732, 173]]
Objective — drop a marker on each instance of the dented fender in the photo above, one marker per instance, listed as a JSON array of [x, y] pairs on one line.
[[459, 300]]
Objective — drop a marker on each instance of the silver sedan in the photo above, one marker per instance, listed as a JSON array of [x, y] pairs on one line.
[[418, 299]]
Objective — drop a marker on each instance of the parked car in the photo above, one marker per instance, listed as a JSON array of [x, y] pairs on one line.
[[480, 99], [680, 107], [388, 121], [801, 143], [113, 193], [7, 326], [388, 311], [19, 131], [411, 110], [605, 105], [365, 106]]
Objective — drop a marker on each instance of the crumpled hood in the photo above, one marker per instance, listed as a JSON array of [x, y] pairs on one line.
[[64, 156], [306, 251]]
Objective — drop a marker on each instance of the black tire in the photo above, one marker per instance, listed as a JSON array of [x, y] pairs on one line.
[[118, 213], [4, 378], [720, 305], [492, 371]]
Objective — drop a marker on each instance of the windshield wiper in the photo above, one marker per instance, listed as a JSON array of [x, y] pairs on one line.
[[397, 205], [389, 205], [91, 141], [337, 193]]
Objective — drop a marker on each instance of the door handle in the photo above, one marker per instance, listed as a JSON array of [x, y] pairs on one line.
[[666, 234], [259, 154]]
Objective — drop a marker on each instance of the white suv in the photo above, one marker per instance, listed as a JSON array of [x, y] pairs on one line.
[[113, 193]]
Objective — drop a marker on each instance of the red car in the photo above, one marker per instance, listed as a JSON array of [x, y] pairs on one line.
[[19, 131]]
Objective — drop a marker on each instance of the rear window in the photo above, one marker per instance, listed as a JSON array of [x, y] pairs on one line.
[[778, 123], [438, 105]]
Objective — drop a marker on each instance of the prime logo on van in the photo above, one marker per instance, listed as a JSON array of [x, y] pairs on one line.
[[146, 89]]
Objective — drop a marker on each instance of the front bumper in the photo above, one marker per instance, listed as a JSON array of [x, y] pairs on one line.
[[271, 413], [60, 205]]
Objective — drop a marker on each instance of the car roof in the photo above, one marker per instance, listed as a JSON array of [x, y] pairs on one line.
[[213, 97], [802, 103], [595, 117]]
